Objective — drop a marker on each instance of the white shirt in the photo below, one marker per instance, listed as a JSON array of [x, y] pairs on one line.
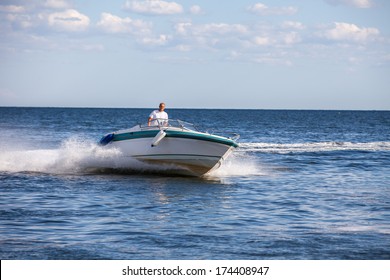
[[156, 114]]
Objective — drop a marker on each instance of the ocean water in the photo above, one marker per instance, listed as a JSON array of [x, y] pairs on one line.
[[302, 185]]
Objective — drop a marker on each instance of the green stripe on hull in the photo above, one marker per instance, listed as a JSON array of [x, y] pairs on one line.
[[174, 134], [134, 135]]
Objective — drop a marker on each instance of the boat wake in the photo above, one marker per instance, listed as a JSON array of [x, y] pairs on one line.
[[239, 164], [80, 156], [314, 147], [73, 156]]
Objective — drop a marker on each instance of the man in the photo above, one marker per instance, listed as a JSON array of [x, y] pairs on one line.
[[157, 116]]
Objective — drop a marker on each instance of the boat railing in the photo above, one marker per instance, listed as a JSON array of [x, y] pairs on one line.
[[234, 136], [162, 124], [228, 134], [167, 123]]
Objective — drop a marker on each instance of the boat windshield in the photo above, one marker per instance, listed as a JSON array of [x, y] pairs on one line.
[[164, 123]]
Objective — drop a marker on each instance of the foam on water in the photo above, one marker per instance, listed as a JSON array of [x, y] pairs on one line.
[[314, 147], [238, 164], [73, 156], [363, 228]]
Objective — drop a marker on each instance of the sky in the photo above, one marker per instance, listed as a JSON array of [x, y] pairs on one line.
[[302, 54]]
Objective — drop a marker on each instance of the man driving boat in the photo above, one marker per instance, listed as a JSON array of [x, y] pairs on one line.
[[158, 115]]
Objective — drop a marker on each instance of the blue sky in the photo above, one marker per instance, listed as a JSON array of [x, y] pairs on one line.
[[303, 54]]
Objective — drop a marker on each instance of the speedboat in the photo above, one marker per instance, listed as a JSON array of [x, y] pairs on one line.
[[174, 144]]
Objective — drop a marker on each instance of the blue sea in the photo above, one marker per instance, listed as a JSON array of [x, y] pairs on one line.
[[301, 185]]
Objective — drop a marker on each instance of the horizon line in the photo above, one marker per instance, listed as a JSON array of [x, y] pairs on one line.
[[189, 108]]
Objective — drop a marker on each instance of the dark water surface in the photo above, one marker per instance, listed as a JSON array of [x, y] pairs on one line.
[[302, 185]]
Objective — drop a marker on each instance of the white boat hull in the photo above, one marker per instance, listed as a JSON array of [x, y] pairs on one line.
[[172, 146], [185, 156]]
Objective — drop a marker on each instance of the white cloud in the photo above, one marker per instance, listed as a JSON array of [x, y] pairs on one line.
[[56, 4], [211, 35], [69, 20], [262, 41], [113, 24], [350, 32], [22, 21], [183, 28], [12, 9], [238, 36], [196, 10], [291, 38], [353, 3], [156, 7], [183, 48], [293, 25], [151, 42], [277, 39], [222, 28], [263, 10], [234, 55], [187, 28], [280, 36]]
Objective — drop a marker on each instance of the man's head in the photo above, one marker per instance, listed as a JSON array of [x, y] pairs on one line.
[[161, 107]]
